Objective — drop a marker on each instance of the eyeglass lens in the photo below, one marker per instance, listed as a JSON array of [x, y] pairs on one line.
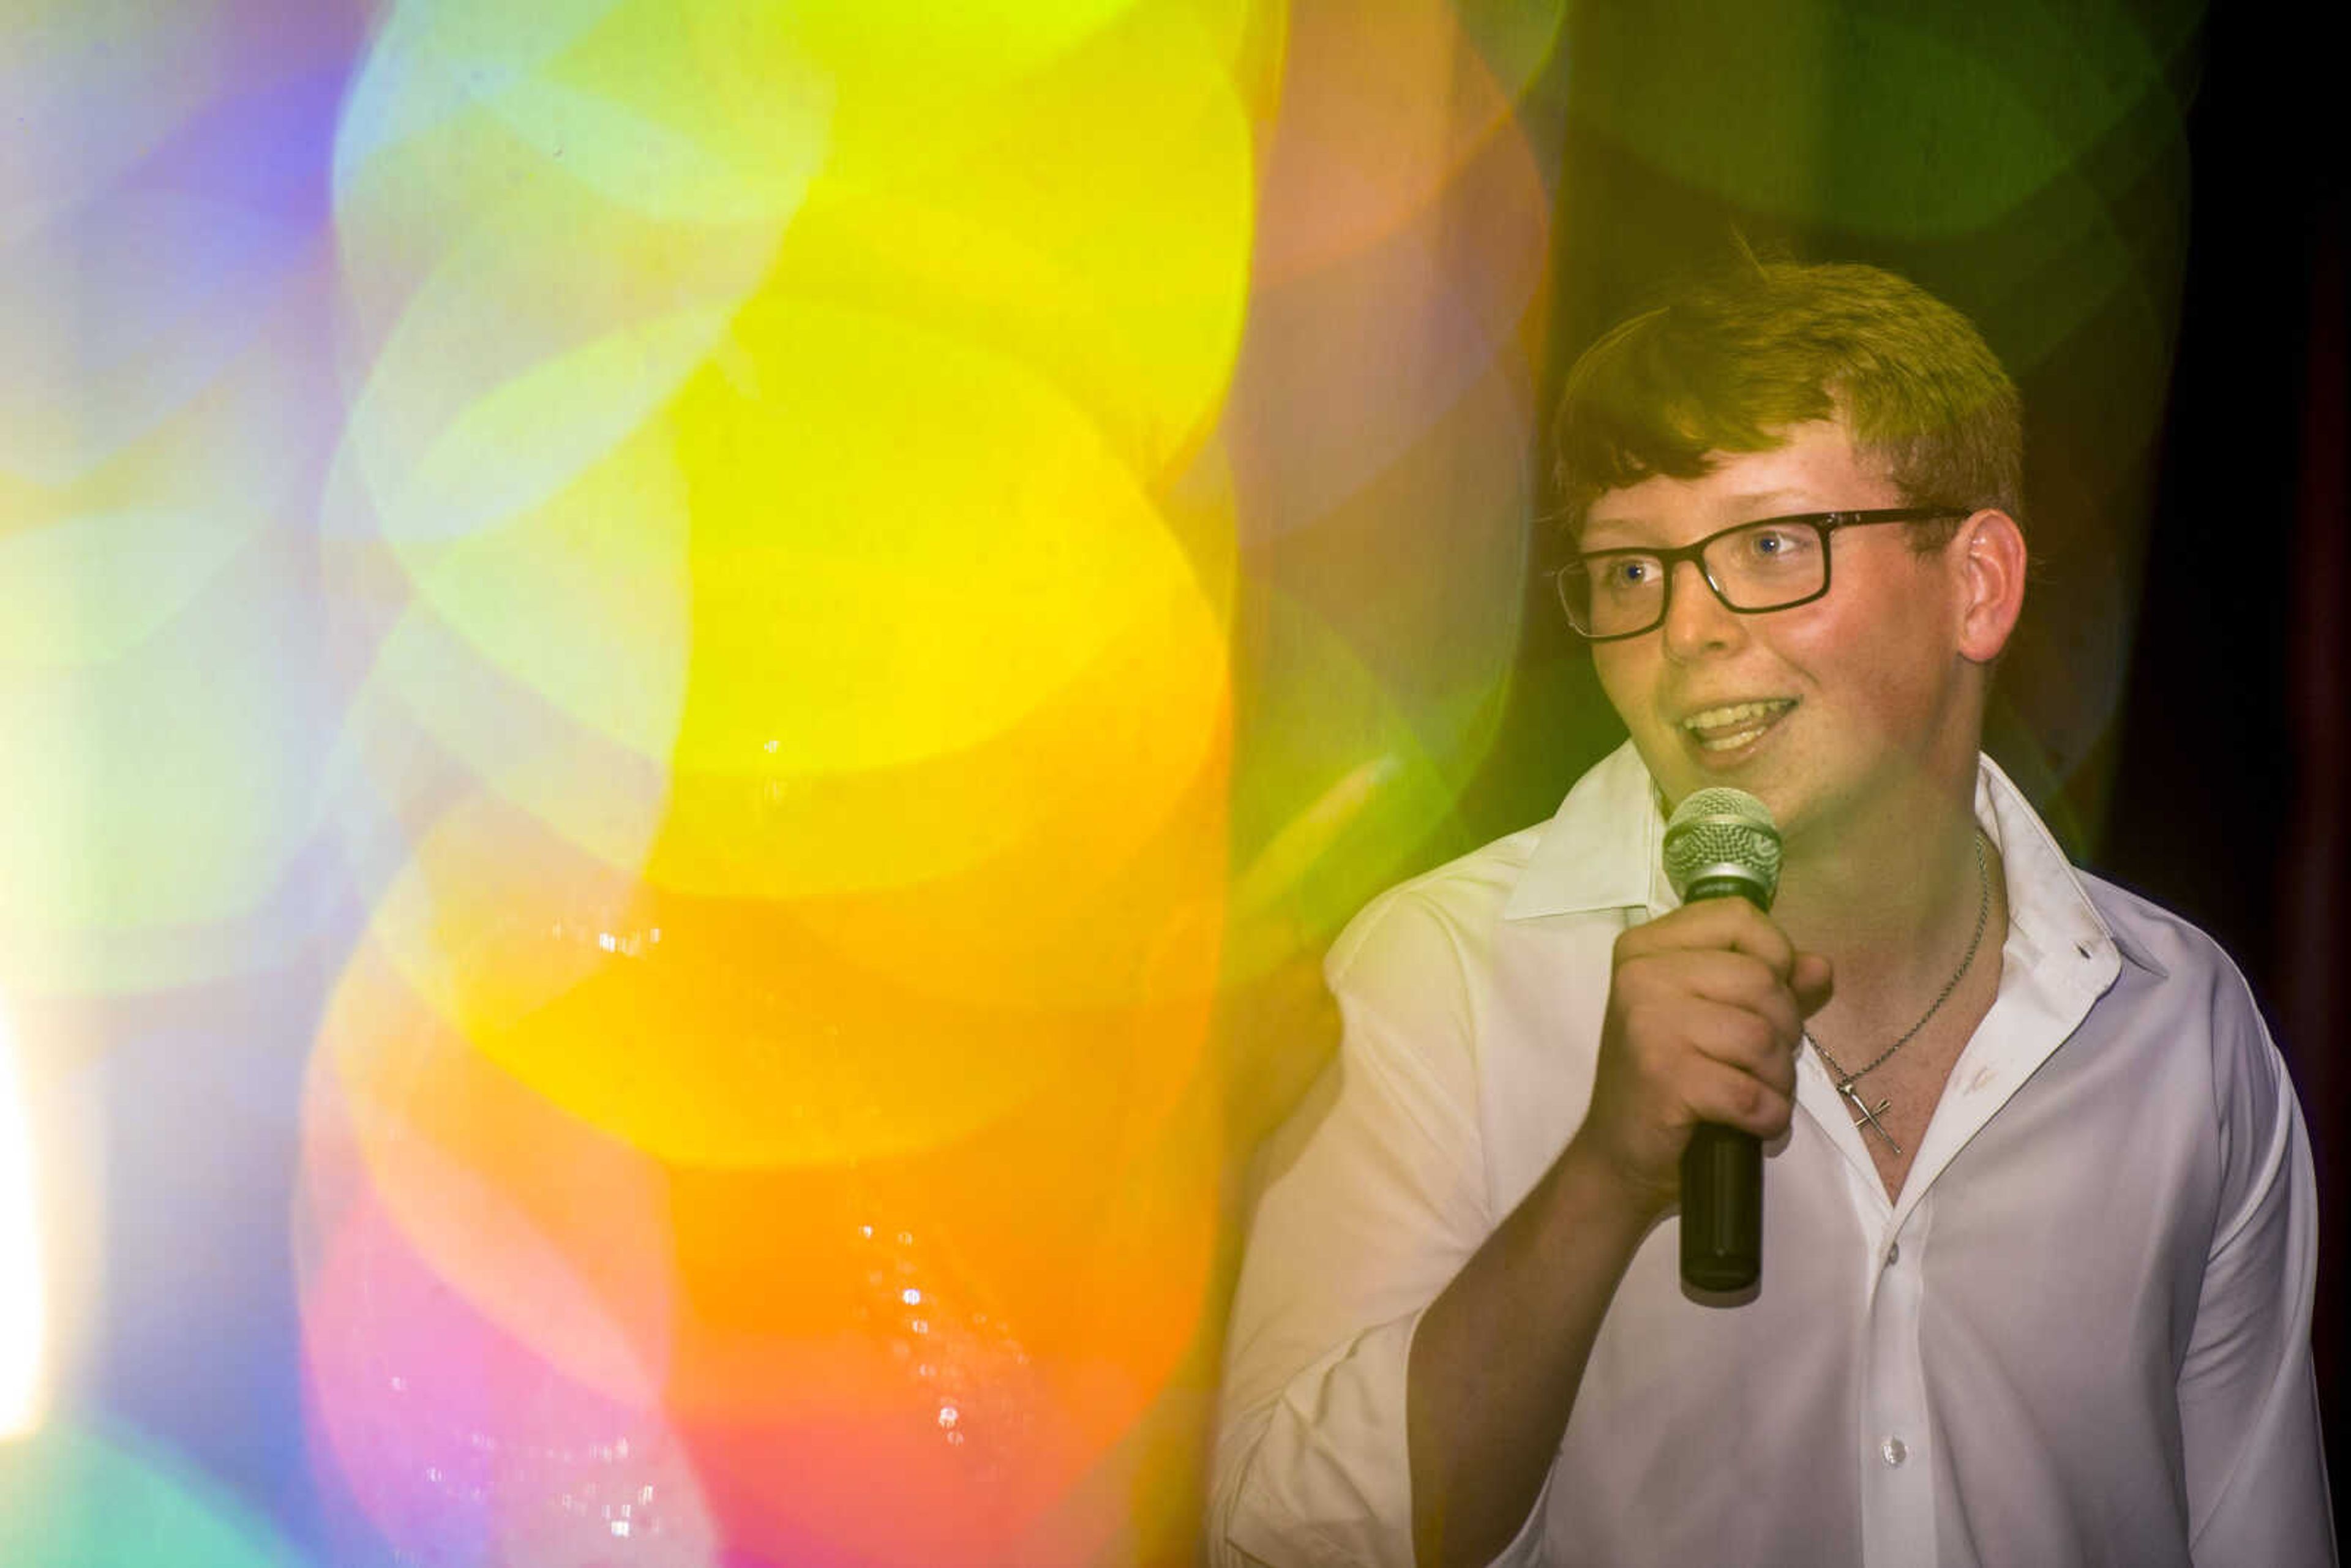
[[1766, 566]]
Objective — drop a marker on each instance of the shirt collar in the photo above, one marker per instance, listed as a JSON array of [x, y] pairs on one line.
[[2046, 900], [1585, 860]]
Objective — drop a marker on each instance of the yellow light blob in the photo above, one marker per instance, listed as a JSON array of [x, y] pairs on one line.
[[726, 1032], [901, 546], [1015, 235], [1249, 36], [1066, 923], [906, 552], [889, 59], [496, 918], [745, 1047]]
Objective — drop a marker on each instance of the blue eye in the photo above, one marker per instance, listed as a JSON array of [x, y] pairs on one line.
[[1775, 546]]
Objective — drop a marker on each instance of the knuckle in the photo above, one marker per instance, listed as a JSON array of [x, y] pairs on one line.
[[1653, 1056], [1631, 943]]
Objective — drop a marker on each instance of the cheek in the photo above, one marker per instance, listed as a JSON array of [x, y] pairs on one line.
[[1625, 678], [1886, 685]]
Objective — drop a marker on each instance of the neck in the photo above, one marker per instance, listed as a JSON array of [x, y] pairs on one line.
[[1888, 895]]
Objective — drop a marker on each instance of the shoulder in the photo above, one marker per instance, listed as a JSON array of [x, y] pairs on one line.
[[1456, 901], [2183, 960], [1597, 856], [2197, 997], [1418, 959]]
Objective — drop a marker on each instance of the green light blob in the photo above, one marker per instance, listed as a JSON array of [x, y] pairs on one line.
[[70, 1496], [1878, 119]]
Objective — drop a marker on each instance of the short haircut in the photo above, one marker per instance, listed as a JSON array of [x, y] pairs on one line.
[[1728, 360]]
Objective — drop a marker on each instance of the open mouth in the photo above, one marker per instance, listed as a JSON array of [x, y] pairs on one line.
[[1734, 724]]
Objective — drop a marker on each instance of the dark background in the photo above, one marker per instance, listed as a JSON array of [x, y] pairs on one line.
[[2230, 783], [2176, 700]]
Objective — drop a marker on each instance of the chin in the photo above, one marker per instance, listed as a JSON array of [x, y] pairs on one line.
[[1679, 775], [1791, 808]]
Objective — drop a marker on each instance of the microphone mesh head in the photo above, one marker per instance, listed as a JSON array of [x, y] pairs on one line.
[[1723, 834]]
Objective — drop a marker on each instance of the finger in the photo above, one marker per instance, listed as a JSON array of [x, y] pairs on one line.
[[1732, 979], [1717, 1092], [1656, 996], [1812, 981], [1730, 923], [1672, 1038], [1743, 1042]]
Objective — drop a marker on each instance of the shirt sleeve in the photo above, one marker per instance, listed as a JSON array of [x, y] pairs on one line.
[[1373, 1197], [2256, 1479]]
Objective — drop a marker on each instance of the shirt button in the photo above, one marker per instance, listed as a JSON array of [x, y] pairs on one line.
[[1893, 1254], [1893, 1450]]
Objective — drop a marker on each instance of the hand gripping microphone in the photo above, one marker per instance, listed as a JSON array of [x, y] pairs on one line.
[[1722, 843]]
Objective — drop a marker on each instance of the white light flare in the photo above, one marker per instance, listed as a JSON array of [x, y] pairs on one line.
[[24, 1320]]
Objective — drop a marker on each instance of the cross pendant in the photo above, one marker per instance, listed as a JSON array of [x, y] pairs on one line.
[[1864, 1117]]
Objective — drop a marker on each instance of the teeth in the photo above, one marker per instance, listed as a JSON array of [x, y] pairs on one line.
[[1736, 712]]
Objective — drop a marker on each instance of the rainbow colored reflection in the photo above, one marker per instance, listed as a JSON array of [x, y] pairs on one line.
[[799, 493]]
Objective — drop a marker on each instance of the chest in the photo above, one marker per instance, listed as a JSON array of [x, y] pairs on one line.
[[2025, 1332], [1891, 1090]]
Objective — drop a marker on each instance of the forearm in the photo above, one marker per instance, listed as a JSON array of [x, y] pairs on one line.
[[1498, 1356]]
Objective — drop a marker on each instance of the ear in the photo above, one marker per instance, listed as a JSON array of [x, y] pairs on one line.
[[1989, 565]]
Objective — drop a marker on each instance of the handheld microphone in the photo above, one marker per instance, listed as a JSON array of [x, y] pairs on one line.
[[1722, 843]]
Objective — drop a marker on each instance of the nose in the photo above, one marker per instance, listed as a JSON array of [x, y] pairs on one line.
[[1697, 622]]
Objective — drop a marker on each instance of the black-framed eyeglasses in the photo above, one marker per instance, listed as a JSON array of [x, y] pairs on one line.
[[1771, 563]]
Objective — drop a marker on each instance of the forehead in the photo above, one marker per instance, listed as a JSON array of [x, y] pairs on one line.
[[1815, 469]]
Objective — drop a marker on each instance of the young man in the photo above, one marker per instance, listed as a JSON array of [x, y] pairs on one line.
[[2039, 1226]]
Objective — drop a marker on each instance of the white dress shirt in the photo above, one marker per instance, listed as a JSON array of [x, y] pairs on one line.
[[2080, 1334]]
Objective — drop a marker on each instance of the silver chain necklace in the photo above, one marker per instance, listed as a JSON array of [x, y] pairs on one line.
[[1864, 1115]]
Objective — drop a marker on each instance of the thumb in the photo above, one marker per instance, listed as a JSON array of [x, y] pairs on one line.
[[1812, 982]]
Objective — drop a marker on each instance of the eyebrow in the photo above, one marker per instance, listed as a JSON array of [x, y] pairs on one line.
[[1752, 506], [1584, 539]]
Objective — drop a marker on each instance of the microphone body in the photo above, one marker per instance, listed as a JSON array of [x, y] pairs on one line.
[[1721, 844]]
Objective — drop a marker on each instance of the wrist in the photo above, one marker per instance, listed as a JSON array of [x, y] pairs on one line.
[[1595, 1183]]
